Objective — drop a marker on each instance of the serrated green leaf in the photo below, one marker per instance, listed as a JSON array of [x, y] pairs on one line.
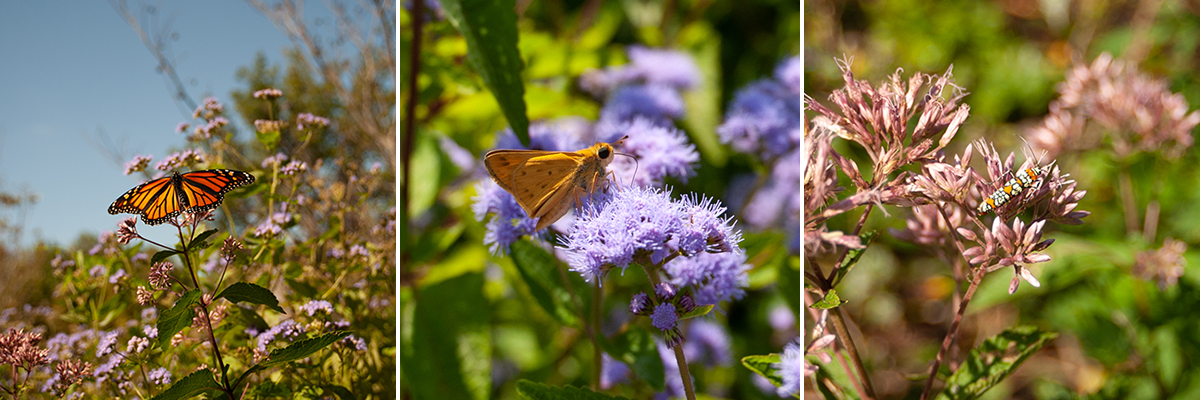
[[853, 255], [250, 293], [490, 29], [636, 347], [540, 391], [762, 366], [698, 311], [189, 386], [993, 360], [178, 317], [295, 351], [198, 242], [539, 270], [831, 300], [162, 255]]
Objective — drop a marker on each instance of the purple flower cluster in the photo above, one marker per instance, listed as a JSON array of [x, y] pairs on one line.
[[305, 119], [670, 68], [186, 158], [660, 150], [764, 117], [137, 164], [791, 369], [317, 305], [645, 222]]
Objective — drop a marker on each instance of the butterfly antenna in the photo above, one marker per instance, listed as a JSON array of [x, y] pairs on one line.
[[636, 165]]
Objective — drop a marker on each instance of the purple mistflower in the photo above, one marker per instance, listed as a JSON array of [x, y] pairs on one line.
[[656, 102], [781, 318], [645, 221], [790, 72], [149, 314], [136, 344], [116, 276], [159, 376], [791, 369], [664, 291], [276, 160], [714, 277], [294, 167], [557, 135], [639, 304], [305, 119], [211, 108], [59, 263], [664, 317], [184, 158], [151, 331], [268, 93], [358, 343], [97, 270], [103, 371], [764, 118], [358, 250], [666, 67], [661, 151], [182, 127], [137, 164], [336, 252], [107, 341], [510, 221], [711, 343], [286, 329], [612, 372], [608, 235], [317, 305]]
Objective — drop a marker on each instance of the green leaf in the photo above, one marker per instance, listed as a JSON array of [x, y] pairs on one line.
[[698, 311], [831, 300], [762, 366], [250, 293], [832, 380], [162, 255], [540, 271], [296, 351], [490, 29], [341, 391], [540, 391], [268, 139], [199, 241], [993, 360], [451, 348], [178, 317], [852, 255], [636, 347], [189, 386]]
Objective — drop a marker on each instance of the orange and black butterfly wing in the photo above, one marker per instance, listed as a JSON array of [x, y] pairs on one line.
[[157, 201], [204, 190]]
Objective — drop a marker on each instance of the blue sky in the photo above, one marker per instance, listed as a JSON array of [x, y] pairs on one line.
[[68, 72]]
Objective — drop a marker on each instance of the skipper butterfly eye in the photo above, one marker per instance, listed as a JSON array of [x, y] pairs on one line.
[[605, 152]]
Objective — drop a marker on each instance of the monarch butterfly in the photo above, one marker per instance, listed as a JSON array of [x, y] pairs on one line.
[[161, 199]]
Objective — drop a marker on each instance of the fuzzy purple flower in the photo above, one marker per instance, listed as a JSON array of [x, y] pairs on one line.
[[661, 151], [655, 102], [510, 221], [305, 119], [791, 369], [612, 372], [714, 277], [184, 158], [317, 305], [764, 119]]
